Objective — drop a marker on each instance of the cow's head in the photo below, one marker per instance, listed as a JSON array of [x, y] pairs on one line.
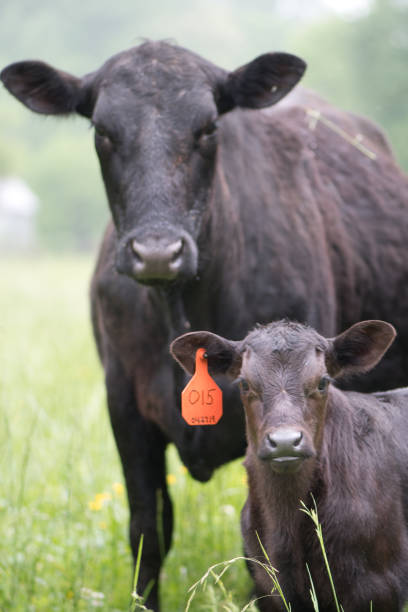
[[155, 109], [285, 370]]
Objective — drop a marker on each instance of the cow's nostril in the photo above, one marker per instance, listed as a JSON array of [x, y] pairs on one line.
[[175, 250], [137, 248]]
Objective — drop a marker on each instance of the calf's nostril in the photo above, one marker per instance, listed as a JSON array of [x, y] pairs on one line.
[[272, 441], [298, 439], [284, 440]]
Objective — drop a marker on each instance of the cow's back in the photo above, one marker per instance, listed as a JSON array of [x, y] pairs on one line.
[[353, 126], [326, 205]]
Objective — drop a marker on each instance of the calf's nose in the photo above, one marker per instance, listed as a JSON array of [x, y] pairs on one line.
[[285, 441], [285, 449]]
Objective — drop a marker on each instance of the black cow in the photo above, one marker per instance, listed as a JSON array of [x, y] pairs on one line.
[[219, 208], [344, 451]]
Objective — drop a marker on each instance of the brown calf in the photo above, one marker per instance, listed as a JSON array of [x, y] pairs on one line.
[[307, 440]]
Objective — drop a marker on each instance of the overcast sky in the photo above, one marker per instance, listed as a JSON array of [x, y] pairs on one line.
[[347, 6]]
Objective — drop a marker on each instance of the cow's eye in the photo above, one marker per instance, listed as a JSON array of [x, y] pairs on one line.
[[210, 128], [323, 384], [101, 132], [207, 130]]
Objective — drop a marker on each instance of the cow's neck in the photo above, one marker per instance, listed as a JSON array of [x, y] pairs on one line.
[[178, 320]]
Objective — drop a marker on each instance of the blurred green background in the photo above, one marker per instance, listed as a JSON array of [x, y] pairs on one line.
[[357, 53]]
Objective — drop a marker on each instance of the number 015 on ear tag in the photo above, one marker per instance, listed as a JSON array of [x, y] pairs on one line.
[[201, 400]]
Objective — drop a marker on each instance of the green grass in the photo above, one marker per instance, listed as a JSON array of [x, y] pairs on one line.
[[63, 515]]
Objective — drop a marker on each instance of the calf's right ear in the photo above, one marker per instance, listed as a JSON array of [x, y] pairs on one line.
[[45, 90], [359, 348], [224, 356]]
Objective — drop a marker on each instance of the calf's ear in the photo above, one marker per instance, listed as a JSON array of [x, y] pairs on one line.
[[45, 90], [359, 348], [261, 83], [224, 356]]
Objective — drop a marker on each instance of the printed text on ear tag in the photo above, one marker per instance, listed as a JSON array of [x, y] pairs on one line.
[[201, 400]]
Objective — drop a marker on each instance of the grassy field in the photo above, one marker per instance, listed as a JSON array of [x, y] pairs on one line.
[[63, 512]]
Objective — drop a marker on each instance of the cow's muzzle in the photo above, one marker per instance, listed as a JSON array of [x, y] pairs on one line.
[[156, 259]]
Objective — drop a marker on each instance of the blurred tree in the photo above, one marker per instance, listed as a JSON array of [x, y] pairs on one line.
[[365, 65], [73, 211], [380, 60]]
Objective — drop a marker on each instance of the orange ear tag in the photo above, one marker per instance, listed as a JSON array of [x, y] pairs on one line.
[[201, 400]]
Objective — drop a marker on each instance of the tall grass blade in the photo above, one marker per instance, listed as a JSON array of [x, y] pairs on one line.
[[272, 572], [225, 565], [312, 591], [312, 513], [138, 600]]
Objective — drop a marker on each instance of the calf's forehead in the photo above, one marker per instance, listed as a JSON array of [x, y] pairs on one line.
[[284, 350]]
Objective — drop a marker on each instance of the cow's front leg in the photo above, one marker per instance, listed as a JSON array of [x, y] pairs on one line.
[[141, 447]]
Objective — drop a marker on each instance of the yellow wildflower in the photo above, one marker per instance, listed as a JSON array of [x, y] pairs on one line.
[[103, 497], [99, 500], [118, 488], [171, 479], [95, 504]]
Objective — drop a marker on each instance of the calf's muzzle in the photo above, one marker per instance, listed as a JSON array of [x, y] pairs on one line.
[[285, 449]]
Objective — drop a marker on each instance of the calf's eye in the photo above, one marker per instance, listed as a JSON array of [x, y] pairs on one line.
[[244, 385], [323, 384]]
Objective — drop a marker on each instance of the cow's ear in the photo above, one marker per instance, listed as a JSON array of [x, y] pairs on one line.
[[45, 90], [262, 82], [359, 348], [224, 356]]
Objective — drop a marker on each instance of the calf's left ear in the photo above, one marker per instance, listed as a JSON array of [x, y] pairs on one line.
[[261, 83], [224, 356], [359, 348]]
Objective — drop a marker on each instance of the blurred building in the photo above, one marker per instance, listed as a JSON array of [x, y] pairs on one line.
[[18, 207]]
